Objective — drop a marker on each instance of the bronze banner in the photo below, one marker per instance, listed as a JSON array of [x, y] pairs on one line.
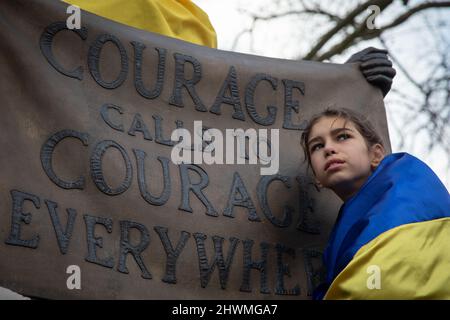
[[87, 178]]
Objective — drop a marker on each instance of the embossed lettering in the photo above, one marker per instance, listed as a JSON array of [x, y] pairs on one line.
[[187, 186], [46, 157], [260, 265], [165, 194], [207, 269], [63, 236], [290, 104], [171, 253], [97, 171], [180, 81], [135, 250], [94, 61], [138, 79], [18, 216], [233, 99], [139, 125], [239, 196], [46, 42], [93, 242], [282, 270], [262, 188], [105, 116], [250, 103]]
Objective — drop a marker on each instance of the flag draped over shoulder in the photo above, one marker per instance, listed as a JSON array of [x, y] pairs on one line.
[[398, 222]]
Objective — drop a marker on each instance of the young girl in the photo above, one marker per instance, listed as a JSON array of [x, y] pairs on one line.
[[391, 239]]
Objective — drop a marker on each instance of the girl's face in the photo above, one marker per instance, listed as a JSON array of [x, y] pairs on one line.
[[340, 157]]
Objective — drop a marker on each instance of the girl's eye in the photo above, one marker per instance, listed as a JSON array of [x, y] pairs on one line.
[[343, 136], [316, 147]]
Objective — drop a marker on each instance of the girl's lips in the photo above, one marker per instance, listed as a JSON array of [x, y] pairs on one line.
[[334, 166], [331, 162]]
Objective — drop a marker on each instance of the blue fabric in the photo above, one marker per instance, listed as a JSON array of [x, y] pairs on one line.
[[401, 190]]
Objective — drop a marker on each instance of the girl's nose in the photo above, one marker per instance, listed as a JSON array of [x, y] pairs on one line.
[[329, 150]]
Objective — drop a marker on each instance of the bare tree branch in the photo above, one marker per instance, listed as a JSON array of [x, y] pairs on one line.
[[343, 23], [405, 16], [256, 18], [362, 32], [400, 66], [317, 11]]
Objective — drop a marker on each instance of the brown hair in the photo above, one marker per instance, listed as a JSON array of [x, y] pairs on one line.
[[362, 124]]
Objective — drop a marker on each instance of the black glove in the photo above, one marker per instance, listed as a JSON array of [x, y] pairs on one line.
[[376, 67]]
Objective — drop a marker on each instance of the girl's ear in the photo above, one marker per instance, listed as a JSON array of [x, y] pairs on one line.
[[378, 153]]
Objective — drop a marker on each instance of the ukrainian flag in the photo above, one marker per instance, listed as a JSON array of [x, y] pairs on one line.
[[392, 239], [180, 19]]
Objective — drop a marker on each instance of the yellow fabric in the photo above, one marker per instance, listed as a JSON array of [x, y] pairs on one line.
[[414, 260], [179, 19]]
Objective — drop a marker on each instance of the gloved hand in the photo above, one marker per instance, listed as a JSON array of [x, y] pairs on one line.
[[376, 67]]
